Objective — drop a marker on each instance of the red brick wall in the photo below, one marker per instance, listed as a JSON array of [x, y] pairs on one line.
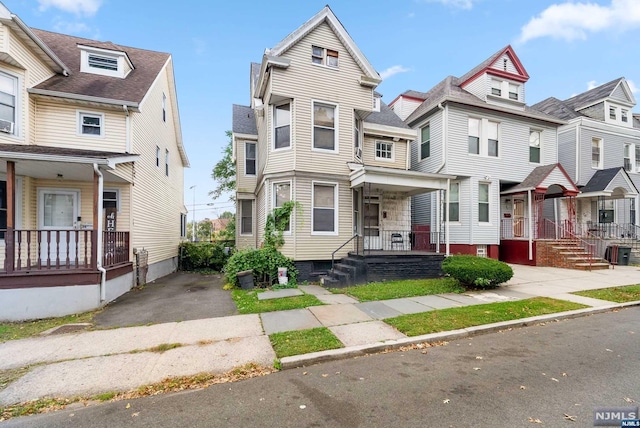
[[517, 251]]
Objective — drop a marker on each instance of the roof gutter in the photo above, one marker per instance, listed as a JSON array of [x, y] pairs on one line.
[[40, 43], [445, 112], [116, 103]]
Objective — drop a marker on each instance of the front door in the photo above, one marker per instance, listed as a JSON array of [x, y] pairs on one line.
[[58, 214], [372, 238], [518, 217]]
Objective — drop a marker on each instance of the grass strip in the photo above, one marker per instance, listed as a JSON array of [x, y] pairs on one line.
[[25, 329], [469, 316], [402, 288], [629, 293], [248, 303], [301, 342]]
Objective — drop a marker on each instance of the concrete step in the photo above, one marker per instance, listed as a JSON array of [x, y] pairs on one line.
[[329, 282], [592, 266], [345, 268]]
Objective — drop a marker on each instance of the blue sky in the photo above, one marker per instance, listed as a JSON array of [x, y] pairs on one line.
[[565, 46]]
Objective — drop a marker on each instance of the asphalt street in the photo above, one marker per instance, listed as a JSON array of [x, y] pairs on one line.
[[514, 378]]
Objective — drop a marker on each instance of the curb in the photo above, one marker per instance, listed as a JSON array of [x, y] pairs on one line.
[[297, 361]]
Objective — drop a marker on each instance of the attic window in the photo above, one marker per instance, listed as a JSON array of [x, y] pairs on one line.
[[322, 56], [624, 115], [103, 62], [505, 62]]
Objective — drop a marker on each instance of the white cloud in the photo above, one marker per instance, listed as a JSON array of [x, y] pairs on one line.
[[458, 4], [571, 21], [591, 84], [632, 86], [78, 7], [393, 70], [66, 27]]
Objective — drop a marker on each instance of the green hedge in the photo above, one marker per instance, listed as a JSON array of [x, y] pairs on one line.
[[477, 272], [264, 262], [202, 256]]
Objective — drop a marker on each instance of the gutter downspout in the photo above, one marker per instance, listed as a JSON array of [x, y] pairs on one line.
[[438, 218], [127, 147], [530, 225], [578, 151], [445, 112], [446, 225], [103, 271]]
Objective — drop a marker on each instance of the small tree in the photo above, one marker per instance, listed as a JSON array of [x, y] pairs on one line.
[[224, 171]]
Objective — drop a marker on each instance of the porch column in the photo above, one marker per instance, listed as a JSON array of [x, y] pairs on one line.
[[11, 217], [530, 215], [446, 225], [438, 219], [96, 214]]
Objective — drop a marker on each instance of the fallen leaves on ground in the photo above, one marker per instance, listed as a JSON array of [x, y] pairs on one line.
[[570, 418], [534, 421]]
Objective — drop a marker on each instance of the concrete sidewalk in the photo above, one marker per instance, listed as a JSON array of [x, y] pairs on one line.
[[87, 363]]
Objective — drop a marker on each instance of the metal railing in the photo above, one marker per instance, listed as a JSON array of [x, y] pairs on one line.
[[341, 247], [511, 228], [565, 230], [402, 241]]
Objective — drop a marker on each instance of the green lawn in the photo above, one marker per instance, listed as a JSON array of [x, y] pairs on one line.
[[21, 330], [303, 341], [630, 293], [469, 316], [248, 303], [402, 288]]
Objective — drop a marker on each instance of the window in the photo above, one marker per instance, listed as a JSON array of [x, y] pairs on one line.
[[632, 212], [8, 94], [324, 126], [102, 62], [513, 92], [164, 107], [606, 210], [324, 208], [637, 157], [384, 150], [356, 138], [534, 146], [90, 123], [492, 139], [596, 153], [166, 163], [324, 56], [474, 136], [496, 87], [158, 156], [3, 208], [246, 217], [483, 202], [624, 115], [183, 225], [110, 199], [425, 142], [612, 113], [282, 194], [454, 202], [628, 165], [249, 158], [282, 126]]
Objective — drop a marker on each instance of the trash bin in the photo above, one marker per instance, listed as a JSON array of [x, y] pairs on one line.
[[246, 279], [624, 253]]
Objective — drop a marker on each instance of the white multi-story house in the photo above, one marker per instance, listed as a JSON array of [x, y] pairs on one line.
[[91, 170], [478, 128], [316, 132]]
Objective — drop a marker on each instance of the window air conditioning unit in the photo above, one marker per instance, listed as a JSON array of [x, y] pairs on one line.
[[6, 126]]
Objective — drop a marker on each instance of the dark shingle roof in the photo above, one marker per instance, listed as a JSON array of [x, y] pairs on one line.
[[593, 95], [132, 88], [244, 120], [484, 64], [535, 177], [557, 108], [602, 178], [386, 116]]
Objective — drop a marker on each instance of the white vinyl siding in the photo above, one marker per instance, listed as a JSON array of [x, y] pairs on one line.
[[399, 160]]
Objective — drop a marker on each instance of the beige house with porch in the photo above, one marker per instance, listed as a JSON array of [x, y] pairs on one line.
[[91, 170]]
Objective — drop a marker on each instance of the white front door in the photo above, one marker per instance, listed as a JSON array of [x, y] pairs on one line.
[[58, 211]]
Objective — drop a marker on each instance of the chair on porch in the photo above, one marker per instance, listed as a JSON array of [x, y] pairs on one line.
[[397, 239]]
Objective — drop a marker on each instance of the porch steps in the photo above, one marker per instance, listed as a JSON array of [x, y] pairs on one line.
[[344, 274], [568, 254]]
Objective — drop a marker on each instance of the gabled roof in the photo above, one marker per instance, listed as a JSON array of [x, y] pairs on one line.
[[386, 117], [596, 94], [557, 108], [602, 178], [541, 178], [326, 15], [244, 120], [112, 90], [486, 66]]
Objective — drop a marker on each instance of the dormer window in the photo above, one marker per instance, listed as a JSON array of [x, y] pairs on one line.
[[513, 92], [624, 115], [322, 56], [105, 62], [504, 89], [612, 113], [496, 87]]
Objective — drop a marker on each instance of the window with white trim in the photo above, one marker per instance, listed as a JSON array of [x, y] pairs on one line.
[[164, 107], [250, 158], [158, 156], [8, 101], [534, 146], [102, 62], [324, 208], [474, 136], [513, 92], [492, 139], [3, 208], [496, 87], [90, 124], [183, 225], [166, 162], [637, 157], [596, 153], [357, 148], [282, 194], [504, 89], [322, 56], [425, 141], [624, 115], [324, 126], [282, 126], [384, 150], [246, 217], [110, 199], [627, 161], [454, 201], [612, 113], [483, 202]]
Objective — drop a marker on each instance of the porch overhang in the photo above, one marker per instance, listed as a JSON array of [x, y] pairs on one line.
[[613, 183], [397, 180], [543, 177], [60, 163]]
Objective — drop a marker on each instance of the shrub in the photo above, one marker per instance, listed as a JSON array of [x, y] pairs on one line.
[[477, 272], [263, 261], [202, 256]]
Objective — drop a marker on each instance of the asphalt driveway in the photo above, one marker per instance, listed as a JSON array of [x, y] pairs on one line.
[[180, 296]]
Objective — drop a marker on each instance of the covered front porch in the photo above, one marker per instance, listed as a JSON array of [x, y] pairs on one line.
[[64, 221]]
